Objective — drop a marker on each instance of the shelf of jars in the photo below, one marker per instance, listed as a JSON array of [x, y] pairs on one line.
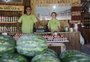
[[9, 15], [8, 19], [10, 29], [8, 23]]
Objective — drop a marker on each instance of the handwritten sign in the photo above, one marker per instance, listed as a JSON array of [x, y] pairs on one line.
[[11, 8]]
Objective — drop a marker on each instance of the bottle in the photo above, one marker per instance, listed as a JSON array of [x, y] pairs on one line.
[[0, 18], [0, 28], [11, 18], [6, 19], [66, 29], [75, 27], [71, 29], [11, 29]]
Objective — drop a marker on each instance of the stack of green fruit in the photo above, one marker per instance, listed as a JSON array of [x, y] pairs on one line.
[[7, 44], [12, 58], [74, 56], [7, 50], [47, 56], [31, 45]]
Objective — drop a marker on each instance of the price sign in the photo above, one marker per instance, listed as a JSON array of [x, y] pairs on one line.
[[11, 8]]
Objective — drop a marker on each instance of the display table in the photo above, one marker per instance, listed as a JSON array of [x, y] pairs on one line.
[[73, 37]]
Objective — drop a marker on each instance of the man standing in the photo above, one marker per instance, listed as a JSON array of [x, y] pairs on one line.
[[27, 21]]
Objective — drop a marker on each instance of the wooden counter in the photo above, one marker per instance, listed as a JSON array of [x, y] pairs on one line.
[[86, 35], [73, 37], [74, 40]]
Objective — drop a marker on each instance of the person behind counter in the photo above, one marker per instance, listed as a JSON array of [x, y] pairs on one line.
[[54, 24], [27, 21]]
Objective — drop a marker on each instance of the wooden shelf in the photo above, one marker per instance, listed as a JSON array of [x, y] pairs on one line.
[[10, 33], [9, 16], [8, 22]]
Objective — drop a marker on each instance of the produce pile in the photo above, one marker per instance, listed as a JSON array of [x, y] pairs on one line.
[[74, 56], [7, 44], [55, 38], [7, 50], [13, 58], [30, 45], [45, 57]]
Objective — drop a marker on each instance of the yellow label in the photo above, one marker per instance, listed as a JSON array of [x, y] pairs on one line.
[[11, 8]]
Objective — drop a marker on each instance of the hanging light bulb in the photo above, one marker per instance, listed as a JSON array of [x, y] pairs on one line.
[[54, 6]]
